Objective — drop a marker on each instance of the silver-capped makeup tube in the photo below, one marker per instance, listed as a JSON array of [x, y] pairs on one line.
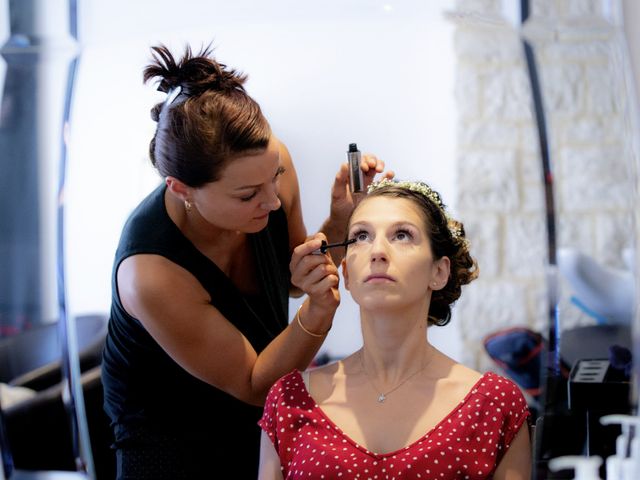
[[356, 180]]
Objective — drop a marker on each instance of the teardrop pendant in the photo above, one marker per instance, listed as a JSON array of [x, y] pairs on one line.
[[381, 398]]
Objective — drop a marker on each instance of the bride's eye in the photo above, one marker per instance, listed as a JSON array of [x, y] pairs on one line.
[[360, 236], [403, 234]]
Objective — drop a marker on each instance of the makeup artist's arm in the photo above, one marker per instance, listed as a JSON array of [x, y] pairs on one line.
[[343, 202], [175, 309]]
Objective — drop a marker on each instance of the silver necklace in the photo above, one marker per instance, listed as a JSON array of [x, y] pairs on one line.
[[382, 396]]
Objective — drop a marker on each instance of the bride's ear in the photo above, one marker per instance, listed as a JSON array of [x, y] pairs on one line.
[[441, 271]]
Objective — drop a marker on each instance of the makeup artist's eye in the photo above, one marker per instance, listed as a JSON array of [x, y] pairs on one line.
[[248, 198], [279, 172]]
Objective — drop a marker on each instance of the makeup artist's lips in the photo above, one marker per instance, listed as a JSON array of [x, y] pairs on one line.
[[261, 217], [379, 278]]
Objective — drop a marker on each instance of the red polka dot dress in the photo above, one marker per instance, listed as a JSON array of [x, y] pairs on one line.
[[467, 444]]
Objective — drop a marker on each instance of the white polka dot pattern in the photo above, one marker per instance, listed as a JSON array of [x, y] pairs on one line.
[[467, 444]]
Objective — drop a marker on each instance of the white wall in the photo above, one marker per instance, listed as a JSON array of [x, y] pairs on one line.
[[326, 74]]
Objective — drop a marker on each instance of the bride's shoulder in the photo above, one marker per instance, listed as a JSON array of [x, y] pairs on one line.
[[463, 376]]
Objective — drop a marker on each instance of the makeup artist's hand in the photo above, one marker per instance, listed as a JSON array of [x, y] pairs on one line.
[[342, 200], [316, 275]]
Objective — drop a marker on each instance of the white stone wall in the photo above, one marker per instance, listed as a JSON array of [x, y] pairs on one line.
[[499, 173]]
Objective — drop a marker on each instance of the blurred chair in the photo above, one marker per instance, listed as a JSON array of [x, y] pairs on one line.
[[40, 436], [38, 429], [35, 354]]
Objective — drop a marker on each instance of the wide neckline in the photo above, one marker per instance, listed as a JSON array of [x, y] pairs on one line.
[[472, 391]]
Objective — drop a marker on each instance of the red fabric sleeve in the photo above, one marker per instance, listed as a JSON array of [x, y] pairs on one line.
[[516, 413]]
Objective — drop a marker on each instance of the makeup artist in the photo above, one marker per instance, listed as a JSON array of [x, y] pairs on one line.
[[199, 320]]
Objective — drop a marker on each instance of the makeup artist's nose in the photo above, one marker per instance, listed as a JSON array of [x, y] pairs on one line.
[[271, 200]]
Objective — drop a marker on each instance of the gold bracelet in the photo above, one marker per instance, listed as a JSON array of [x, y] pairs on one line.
[[317, 335]]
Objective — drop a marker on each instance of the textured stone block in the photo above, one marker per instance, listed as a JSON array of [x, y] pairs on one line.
[[529, 140], [489, 305], [488, 133], [525, 247], [507, 94], [467, 92], [563, 88], [532, 185], [614, 232], [479, 6], [486, 182], [604, 90], [485, 237], [578, 8], [576, 231], [587, 131], [594, 51], [594, 179], [484, 46], [546, 8]]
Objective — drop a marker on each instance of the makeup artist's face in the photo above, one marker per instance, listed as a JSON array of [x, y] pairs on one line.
[[245, 194], [390, 265]]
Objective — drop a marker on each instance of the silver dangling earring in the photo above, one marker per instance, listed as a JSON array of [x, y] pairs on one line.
[[187, 206]]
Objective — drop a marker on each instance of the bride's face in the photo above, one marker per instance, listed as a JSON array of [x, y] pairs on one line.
[[391, 264]]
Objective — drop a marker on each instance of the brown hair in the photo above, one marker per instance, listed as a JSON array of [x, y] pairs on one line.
[[443, 242], [210, 121]]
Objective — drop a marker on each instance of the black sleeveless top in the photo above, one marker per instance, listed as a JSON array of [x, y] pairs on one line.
[[149, 396]]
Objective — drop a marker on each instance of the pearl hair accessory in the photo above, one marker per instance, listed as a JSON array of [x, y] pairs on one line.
[[427, 192]]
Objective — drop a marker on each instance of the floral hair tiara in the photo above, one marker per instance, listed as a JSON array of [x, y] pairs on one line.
[[427, 192]]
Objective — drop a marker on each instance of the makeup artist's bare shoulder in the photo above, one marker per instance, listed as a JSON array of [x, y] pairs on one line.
[[289, 188]]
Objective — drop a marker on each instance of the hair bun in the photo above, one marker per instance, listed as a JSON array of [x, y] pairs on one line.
[[196, 74]]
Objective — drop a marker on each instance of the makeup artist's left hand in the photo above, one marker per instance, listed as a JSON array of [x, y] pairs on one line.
[[342, 201]]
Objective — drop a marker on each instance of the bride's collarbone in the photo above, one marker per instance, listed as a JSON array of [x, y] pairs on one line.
[[403, 418]]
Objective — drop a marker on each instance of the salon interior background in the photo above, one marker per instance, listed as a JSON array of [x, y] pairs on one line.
[[377, 73], [395, 77]]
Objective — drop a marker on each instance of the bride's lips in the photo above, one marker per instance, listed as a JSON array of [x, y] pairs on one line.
[[379, 277]]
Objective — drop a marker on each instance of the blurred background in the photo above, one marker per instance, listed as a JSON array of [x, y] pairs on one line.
[[440, 90]]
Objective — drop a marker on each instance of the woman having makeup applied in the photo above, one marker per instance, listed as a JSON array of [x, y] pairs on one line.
[[398, 408], [199, 320]]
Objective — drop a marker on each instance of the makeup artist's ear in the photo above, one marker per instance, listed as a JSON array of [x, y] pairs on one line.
[[345, 273], [441, 271], [178, 188]]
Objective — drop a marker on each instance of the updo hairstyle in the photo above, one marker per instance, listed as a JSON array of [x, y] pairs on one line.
[[206, 120]]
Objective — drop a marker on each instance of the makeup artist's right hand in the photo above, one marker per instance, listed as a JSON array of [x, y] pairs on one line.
[[342, 200], [316, 275]]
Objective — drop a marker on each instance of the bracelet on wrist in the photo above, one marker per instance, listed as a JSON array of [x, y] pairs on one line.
[[304, 329]]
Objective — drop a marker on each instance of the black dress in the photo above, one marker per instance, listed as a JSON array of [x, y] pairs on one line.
[[167, 423]]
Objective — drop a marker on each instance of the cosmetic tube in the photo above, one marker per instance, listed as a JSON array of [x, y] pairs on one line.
[[356, 180]]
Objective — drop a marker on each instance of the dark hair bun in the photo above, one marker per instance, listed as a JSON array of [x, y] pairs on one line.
[[195, 74]]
